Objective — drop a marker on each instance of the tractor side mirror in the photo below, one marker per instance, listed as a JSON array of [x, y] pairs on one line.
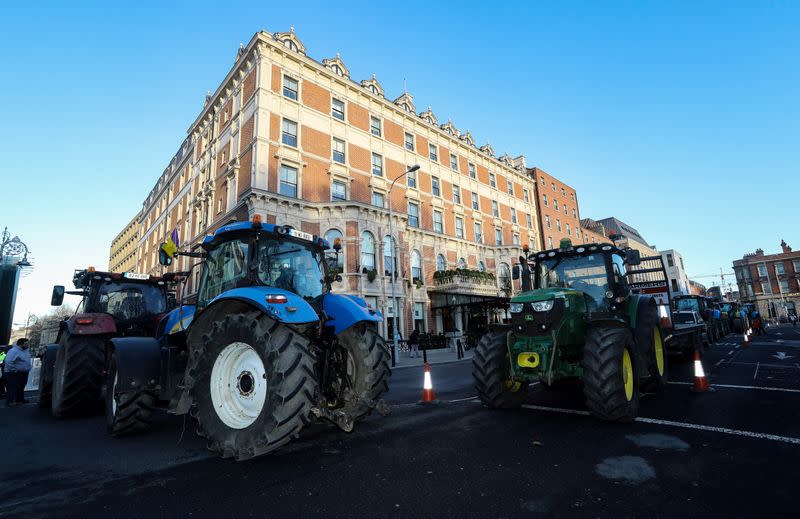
[[164, 258], [338, 277], [515, 274], [633, 257], [58, 295]]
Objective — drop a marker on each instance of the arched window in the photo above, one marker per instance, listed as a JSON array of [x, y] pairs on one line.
[[367, 251], [462, 263], [330, 236], [441, 264], [387, 255], [481, 267], [504, 277], [416, 265]]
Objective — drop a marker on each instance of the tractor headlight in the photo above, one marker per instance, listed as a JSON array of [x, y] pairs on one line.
[[543, 306], [516, 308]]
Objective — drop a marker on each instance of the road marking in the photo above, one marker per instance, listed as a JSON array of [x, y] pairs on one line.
[[758, 365], [781, 355], [733, 386], [719, 362], [683, 425], [462, 399]]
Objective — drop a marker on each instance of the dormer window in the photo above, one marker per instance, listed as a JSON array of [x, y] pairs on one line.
[[337, 66], [290, 41], [428, 116], [373, 86]]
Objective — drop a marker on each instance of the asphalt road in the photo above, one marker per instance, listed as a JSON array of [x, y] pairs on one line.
[[733, 451]]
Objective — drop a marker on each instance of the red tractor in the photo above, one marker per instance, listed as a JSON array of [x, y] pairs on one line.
[[113, 305]]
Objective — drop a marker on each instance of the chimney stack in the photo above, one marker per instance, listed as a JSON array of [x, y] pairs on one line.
[[785, 247]]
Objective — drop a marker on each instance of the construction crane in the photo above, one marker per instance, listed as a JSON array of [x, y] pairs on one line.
[[721, 277]]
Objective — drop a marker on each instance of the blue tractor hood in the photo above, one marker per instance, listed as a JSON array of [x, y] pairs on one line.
[[295, 310]]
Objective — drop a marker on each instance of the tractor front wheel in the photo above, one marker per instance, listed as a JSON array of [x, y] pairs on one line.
[[365, 370], [77, 376], [491, 369], [253, 385], [656, 380], [610, 377]]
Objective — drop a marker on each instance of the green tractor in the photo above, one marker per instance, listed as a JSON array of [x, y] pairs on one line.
[[577, 317]]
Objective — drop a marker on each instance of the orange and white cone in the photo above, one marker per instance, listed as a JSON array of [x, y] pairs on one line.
[[700, 380], [746, 342], [428, 396]]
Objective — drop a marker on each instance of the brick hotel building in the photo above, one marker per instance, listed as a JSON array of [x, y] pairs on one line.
[[301, 143]]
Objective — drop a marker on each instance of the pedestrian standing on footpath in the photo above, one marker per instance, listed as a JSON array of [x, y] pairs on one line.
[[2, 368], [18, 366], [413, 344]]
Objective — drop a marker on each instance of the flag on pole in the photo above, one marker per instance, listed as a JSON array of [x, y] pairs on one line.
[[172, 243]]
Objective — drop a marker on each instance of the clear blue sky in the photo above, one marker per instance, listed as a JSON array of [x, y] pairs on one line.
[[680, 118]]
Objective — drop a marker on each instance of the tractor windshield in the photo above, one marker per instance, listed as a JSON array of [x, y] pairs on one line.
[[291, 266], [687, 304], [130, 301], [584, 273]]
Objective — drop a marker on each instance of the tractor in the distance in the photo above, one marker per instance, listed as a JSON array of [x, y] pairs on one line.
[[113, 304], [716, 328], [579, 320], [265, 350]]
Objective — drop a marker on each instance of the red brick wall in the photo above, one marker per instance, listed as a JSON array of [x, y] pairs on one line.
[[316, 97]]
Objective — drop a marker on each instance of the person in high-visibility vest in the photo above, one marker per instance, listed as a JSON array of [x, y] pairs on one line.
[[2, 373]]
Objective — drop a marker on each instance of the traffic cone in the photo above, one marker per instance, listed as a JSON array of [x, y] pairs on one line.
[[665, 324], [700, 380], [428, 396], [746, 342]]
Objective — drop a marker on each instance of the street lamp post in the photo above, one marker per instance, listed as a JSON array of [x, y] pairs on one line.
[[392, 272], [11, 249]]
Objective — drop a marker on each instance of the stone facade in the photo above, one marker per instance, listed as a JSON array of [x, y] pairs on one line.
[[300, 143], [122, 255], [771, 281]]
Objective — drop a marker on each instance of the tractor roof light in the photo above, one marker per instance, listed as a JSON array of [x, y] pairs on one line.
[[580, 250], [551, 253], [256, 221], [89, 269], [337, 244], [606, 247]]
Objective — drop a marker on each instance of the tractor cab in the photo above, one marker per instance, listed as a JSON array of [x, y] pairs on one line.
[[595, 271], [254, 255], [134, 301]]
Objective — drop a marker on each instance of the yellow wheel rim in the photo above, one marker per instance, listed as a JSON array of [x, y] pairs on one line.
[[627, 374], [658, 346]]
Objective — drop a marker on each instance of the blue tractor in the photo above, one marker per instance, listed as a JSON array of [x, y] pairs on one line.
[[264, 350]]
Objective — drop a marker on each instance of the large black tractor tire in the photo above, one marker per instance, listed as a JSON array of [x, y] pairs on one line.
[[491, 370], [657, 365], [610, 375], [45, 389], [127, 412], [252, 385], [78, 376], [367, 368]]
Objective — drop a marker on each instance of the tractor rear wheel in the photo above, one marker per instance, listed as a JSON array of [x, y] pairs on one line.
[[491, 370], [253, 385], [366, 368], [128, 412], [77, 376], [610, 376]]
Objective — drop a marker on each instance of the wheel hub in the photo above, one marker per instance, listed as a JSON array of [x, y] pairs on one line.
[[246, 383]]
